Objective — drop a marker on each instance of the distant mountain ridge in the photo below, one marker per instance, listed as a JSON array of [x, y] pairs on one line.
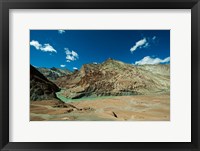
[[114, 77], [53, 73]]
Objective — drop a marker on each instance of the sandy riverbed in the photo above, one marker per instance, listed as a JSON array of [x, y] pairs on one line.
[[116, 108]]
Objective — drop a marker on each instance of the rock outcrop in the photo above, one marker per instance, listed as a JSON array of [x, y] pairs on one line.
[[40, 87]]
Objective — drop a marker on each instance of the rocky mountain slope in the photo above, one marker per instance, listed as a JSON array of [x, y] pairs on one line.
[[53, 73], [115, 78], [40, 87]]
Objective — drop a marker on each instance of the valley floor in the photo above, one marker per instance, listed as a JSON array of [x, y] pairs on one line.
[[116, 108]]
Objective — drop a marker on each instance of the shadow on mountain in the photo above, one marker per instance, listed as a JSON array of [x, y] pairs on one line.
[[40, 87]]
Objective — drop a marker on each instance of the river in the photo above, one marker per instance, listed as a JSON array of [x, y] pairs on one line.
[[64, 99]]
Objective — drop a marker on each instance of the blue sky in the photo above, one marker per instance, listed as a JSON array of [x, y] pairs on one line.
[[72, 48]]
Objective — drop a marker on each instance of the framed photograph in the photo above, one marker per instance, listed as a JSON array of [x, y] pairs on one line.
[[99, 75], [96, 80]]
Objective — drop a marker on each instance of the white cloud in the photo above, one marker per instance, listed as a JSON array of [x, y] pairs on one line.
[[166, 60], [143, 43], [47, 47], [139, 44], [75, 68], [95, 63], [36, 44], [62, 65], [70, 58], [61, 31], [67, 51], [71, 55], [74, 54], [149, 60], [44, 48]]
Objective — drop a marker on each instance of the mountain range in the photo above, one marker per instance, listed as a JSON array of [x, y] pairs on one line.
[[114, 78], [110, 78]]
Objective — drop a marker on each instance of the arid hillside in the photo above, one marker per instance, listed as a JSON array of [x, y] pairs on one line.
[[40, 87], [115, 78]]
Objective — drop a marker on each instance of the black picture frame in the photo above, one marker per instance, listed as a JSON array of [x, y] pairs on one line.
[[5, 5]]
